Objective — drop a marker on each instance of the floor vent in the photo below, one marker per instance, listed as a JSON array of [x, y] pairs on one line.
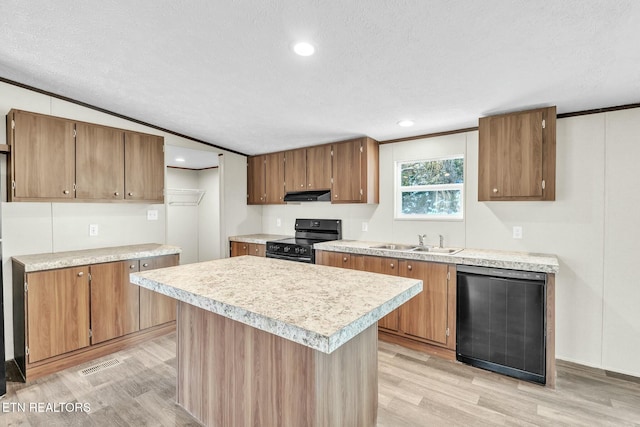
[[100, 367]]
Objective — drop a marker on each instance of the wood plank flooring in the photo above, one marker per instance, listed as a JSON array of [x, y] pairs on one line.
[[414, 390]]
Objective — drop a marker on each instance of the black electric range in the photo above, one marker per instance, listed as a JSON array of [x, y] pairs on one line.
[[308, 232]]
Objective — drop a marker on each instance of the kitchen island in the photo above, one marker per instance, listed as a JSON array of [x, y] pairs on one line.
[[271, 342]]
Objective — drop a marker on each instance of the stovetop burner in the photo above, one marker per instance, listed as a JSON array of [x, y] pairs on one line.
[[308, 232]]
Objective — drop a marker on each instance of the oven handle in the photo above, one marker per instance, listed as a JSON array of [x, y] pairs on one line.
[[290, 258]]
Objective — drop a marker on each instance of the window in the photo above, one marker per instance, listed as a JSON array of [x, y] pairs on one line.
[[430, 189]]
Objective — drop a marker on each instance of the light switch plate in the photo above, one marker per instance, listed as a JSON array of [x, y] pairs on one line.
[[365, 226], [152, 215], [93, 229], [517, 232], [278, 222]]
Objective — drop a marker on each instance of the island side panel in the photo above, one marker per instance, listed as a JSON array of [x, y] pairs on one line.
[[233, 374], [348, 382]]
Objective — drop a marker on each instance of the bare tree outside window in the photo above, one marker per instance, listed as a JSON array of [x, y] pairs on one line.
[[430, 188]]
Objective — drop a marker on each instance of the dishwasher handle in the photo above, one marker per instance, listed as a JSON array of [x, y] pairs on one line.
[[501, 272]]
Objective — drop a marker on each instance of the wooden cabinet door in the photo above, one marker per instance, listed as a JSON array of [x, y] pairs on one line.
[[42, 157], [239, 249], [333, 259], [115, 302], [99, 162], [57, 312], [274, 173], [346, 172], [426, 315], [256, 180], [295, 170], [156, 308], [516, 153], [339, 259], [144, 167], [319, 167], [257, 249], [384, 266], [517, 156]]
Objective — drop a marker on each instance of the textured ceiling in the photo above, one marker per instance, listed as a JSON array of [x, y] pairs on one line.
[[224, 72]]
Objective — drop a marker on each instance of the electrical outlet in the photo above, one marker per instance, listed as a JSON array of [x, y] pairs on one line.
[[365, 226], [278, 222], [517, 232], [93, 229], [152, 215]]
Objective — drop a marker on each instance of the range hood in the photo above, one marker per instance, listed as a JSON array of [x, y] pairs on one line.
[[308, 196]]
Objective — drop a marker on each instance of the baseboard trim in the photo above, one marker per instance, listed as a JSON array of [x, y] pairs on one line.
[[74, 358], [432, 350]]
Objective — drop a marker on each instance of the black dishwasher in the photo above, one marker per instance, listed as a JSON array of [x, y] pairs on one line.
[[501, 321]]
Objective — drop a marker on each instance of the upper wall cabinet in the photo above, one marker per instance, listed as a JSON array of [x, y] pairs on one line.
[[517, 156], [308, 169], [42, 157], [348, 168], [99, 165], [56, 159], [265, 179], [354, 168], [143, 167]]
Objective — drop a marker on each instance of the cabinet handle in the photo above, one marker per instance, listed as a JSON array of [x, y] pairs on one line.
[[344, 259], [65, 191], [309, 185], [244, 247], [80, 274], [335, 196], [145, 265], [391, 265], [116, 194], [132, 266], [256, 250], [495, 190], [130, 194], [409, 267], [301, 185]]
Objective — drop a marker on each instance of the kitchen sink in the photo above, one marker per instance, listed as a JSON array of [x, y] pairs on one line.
[[435, 250], [394, 247]]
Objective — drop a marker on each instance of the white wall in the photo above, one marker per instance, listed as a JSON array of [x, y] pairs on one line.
[[29, 228], [236, 218], [621, 335], [598, 322], [182, 221]]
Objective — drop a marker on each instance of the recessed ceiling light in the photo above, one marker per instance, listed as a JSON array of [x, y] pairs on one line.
[[405, 123], [179, 159], [304, 49]]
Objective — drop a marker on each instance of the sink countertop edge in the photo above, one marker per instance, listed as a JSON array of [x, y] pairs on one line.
[[543, 263]]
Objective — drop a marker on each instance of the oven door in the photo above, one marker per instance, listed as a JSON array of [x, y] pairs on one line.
[[307, 259]]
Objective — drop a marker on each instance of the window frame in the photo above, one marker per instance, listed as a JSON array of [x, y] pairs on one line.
[[399, 190]]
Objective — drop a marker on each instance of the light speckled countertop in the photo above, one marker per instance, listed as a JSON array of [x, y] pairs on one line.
[[258, 238], [49, 261], [317, 306], [543, 263]]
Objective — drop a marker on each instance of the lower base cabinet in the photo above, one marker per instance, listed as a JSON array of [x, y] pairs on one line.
[[58, 305], [427, 318], [114, 301], [156, 308], [63, 312], [242, 248]]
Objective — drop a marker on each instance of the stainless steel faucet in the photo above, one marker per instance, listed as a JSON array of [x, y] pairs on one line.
[[421, 238]]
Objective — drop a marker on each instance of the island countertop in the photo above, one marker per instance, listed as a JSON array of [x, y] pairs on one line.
[[317, 306]]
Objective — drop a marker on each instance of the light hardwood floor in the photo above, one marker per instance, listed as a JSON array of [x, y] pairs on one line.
[[414, 390]]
